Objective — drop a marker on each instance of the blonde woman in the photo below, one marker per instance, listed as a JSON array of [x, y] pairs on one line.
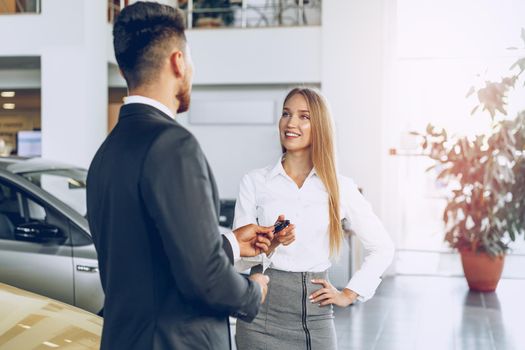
[[305, 187]]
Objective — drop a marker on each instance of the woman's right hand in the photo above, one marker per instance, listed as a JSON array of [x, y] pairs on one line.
[[284, 237]]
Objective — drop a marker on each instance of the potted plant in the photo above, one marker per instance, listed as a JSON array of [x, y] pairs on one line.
[[485, 177]]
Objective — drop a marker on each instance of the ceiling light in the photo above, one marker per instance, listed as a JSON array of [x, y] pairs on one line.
[[9, 106], [7, 94]]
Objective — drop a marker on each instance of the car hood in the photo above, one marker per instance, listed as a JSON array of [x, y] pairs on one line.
[[32, 321]]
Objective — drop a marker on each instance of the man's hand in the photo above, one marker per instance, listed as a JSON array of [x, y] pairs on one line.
[[284, 237], [262, 280], [253, 239], [330, 295]]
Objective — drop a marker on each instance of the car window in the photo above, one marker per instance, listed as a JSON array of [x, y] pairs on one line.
[[68, 185], [16, 209], [78, 236], [35, 211]]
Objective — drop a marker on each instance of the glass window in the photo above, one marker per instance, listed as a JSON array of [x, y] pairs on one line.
[[68, 185], [78, 236], [16, 209], [439, 50]]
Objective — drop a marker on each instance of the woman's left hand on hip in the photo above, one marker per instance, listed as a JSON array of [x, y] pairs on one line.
[[328, 294]]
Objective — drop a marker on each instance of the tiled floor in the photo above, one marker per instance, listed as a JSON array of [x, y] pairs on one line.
[[416, 312]]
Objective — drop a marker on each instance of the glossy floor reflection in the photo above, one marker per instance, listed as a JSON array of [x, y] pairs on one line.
[[416, 312]]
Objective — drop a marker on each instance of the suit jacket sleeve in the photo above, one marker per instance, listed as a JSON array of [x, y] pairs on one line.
[[177, 192]]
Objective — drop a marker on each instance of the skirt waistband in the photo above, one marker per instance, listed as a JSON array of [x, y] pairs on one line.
[[309, 275]]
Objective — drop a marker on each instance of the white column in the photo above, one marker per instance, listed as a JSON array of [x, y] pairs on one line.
[[352, 71], [75, 82], [352, 79]]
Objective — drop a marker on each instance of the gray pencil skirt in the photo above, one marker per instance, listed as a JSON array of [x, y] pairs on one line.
[[287, 320]]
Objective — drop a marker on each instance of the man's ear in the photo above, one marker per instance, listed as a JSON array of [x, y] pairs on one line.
[[178, 63]]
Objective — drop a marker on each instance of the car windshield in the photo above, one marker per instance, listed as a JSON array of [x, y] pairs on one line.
[[68, 185]]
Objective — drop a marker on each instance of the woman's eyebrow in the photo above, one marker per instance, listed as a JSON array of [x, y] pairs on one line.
[[301, 110]]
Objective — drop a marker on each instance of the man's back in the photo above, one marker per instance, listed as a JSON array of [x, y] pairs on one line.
[[151, 209]]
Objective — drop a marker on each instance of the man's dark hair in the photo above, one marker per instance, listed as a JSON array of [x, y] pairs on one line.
[[143, 35]]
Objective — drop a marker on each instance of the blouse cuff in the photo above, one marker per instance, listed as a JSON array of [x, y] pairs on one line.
[[364, 286]]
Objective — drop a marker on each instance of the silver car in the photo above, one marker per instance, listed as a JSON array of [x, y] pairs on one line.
[[45, 244]]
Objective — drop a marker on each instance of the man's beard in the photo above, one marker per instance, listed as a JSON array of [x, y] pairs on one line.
[[184, 97]]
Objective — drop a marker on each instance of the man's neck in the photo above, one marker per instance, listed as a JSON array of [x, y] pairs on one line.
[[157, 94]]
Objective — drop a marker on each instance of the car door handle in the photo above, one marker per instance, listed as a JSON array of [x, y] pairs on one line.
[[84, 268]]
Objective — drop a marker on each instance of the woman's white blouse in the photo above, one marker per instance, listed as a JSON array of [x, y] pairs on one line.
[[269, 192]]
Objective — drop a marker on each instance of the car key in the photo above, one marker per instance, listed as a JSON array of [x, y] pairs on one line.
[[278, 226]]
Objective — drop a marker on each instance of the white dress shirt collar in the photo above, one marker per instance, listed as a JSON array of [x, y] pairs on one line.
[[278, 169], [151, 102]]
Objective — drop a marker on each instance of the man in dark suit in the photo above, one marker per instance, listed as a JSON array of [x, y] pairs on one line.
[[153, 206]]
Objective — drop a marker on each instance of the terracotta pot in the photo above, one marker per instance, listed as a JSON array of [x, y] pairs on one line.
[[482, 271]]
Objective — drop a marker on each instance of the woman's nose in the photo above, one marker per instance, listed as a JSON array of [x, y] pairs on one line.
[[292, 122]]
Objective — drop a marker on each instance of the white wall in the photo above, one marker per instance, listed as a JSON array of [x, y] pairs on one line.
[[60, 23], [74, 93], [352, 80], [353, 73], [67, 35], [249, 56], [233, 150], [256, 56]]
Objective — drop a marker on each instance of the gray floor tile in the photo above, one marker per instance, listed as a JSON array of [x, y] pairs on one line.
[[419, 312]]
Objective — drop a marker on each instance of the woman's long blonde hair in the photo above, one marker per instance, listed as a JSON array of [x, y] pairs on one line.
[[323, 158]]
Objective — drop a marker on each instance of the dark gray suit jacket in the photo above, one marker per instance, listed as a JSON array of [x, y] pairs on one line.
[[153, 214]]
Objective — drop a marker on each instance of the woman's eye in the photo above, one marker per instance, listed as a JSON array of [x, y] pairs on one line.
[[285, 114], [305, 116]]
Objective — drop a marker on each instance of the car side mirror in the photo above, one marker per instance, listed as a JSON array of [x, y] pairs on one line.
[[39, 232]]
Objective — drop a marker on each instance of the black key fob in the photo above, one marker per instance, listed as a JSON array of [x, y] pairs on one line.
[[280, 225]]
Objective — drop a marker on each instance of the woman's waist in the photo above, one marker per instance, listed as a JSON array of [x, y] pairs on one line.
[[297, 276], [288, 301], [298, 284], [293, 263]]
